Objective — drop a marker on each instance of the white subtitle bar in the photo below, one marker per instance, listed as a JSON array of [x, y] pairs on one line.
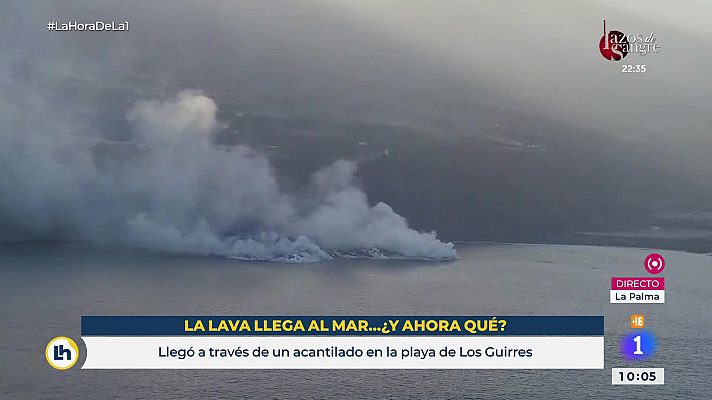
[[344, 352]]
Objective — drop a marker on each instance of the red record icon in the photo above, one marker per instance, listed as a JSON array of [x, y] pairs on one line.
[[654, 263]]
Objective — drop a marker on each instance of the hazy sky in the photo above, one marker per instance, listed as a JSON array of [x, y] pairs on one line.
[[540, 56], [544, 54]]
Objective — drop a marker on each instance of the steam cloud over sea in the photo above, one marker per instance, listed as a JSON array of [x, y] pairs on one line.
[[170, 188]]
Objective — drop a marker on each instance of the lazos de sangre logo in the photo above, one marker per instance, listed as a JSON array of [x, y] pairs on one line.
[[615, 45]]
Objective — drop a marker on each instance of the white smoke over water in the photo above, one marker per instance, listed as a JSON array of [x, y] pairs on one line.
[[170, 189]]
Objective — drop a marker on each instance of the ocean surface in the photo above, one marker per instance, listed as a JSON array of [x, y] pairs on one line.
[[44, 290]]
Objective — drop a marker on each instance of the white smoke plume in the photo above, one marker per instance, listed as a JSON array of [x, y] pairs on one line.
[[170, 188]]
